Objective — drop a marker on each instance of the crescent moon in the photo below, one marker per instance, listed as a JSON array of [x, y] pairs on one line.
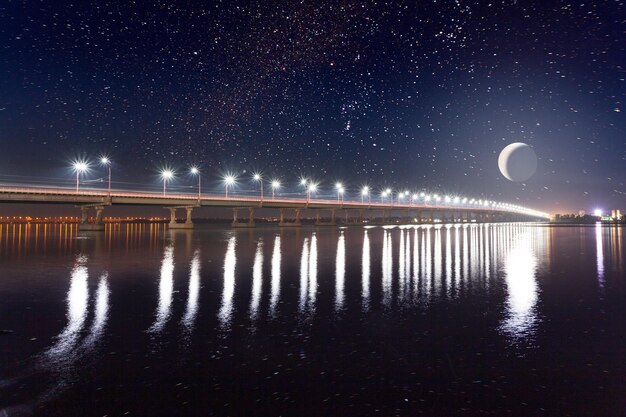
[[517, 162]]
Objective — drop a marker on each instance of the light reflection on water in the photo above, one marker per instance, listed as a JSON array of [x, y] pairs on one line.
[[77, 304], [226, 310], [365, 272], [520, 269], [257, 281], [193, 292], [340, 272], [166, 288], [315, 274], [275, 291]]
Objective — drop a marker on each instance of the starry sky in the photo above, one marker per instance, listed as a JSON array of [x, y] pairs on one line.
[[409, 95]]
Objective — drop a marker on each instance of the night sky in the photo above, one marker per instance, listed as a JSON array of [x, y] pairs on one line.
[[420, 95]]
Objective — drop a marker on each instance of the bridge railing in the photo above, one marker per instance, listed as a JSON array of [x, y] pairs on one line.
[[235, 197]]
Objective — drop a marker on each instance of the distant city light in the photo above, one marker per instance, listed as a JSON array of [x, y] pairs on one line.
[[597, 212]]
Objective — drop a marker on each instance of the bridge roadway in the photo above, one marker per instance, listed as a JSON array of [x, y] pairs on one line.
[[93, 199]]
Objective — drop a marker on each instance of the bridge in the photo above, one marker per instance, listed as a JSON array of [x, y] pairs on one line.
[[289, 210]]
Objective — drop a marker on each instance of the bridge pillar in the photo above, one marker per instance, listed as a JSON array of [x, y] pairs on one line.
[[188, 220], [249, 224], [97, 226], [84, 215], [286, 223], [251, 216], [188, 224], [319, 222]]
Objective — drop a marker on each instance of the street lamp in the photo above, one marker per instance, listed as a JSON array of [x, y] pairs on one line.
[[196, 171], [167, 175], [365, 191], [275, 186], [80, 167], [388, 192], [257, 177], [107, 162], [303, 182], [229, 181], [311, 189], [339, 188]]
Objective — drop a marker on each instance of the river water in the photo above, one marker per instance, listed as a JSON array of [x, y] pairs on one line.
[[446, 320]]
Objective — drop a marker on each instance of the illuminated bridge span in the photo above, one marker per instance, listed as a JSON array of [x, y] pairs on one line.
[[290, 210]]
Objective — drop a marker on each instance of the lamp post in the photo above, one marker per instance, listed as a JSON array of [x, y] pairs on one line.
[[80, 167], [257, 177], [304, 182], [365, 191], [311, 188], [339, 188], [229, 180], [275, 186], [196, 171], [107, 162], [167, 175]]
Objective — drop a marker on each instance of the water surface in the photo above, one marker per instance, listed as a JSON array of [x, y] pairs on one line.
[[463, 320]]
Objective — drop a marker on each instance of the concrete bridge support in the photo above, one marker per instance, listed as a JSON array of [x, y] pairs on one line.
[[249, 224], [332, 222], [287, 223], [188, 224], [97, 225]]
